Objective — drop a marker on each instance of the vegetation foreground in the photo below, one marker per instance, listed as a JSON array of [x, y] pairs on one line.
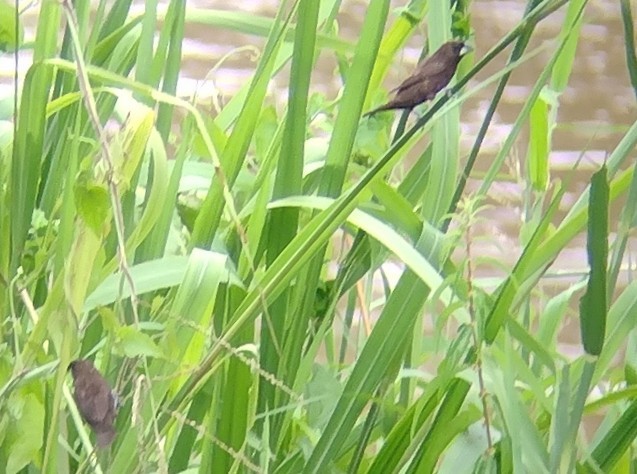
[[230, 273]]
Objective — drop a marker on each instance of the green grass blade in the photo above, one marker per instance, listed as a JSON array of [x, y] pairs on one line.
[[594, 305]]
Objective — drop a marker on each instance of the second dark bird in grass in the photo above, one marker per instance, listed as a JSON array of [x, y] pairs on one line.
[[94, 399], [430, 77]]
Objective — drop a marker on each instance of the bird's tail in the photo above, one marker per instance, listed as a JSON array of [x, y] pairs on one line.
[[105, 436], [378, 109]]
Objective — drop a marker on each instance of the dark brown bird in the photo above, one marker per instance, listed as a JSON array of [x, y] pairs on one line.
[[94, 399], [430, 77]]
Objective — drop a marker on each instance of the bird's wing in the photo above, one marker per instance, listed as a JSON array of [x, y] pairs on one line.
[[406, 84], [94, 402], [430, 67]]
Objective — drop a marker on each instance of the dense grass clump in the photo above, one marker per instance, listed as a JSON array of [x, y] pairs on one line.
[[292, 288]]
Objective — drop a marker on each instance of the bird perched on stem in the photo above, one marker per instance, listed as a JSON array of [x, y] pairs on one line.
[[430, 77], [94, 399]]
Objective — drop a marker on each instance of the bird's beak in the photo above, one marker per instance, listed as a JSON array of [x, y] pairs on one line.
[[466, 49]]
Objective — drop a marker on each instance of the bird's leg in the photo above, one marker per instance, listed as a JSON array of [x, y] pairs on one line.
[[117, 402], [448, 92], [420, 111]]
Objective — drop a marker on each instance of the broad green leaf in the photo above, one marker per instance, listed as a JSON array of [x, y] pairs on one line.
[[25, 430], [135, 343], [10, 34]]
